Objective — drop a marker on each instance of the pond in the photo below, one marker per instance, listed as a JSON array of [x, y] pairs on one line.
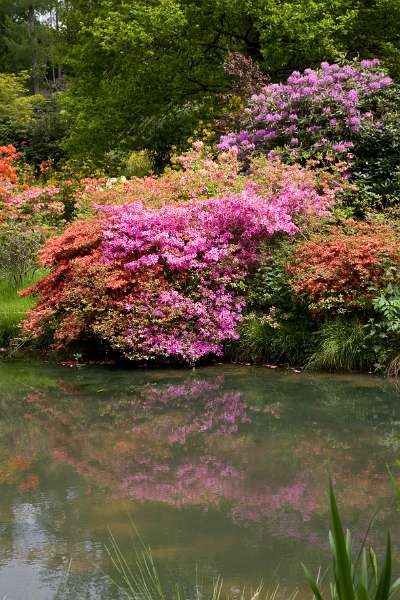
[[223, 470]]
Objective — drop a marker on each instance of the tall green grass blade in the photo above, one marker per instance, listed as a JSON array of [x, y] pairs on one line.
[[312, 583], [343, 563], [374, 564], [362, 589], [396, 486], [394, 587], [383, 589]]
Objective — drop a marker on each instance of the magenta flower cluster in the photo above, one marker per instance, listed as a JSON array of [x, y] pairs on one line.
[[191, 260], [319, 111]]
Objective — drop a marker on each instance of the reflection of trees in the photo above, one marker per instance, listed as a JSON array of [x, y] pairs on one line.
[[197, 443], [260, 456], [255, 449]]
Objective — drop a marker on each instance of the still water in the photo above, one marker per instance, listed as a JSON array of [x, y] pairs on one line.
[[223, 470]]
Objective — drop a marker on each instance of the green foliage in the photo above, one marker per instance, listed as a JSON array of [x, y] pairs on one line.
[[297, 33], [45, 133], [358, 579], [138, 164], [375, 167], [272, 339], [28, 39], [16, 107], [383, 327], [269, 285], [130, 86], [19, 246], [143, 74], [387, 305], [33, 120], [277, 328], [341, 346]]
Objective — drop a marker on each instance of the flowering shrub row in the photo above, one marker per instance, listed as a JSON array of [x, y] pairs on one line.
[[37, 200], [167, 282], [165, 267]]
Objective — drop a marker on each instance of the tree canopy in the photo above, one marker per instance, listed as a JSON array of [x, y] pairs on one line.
[[143, 74]]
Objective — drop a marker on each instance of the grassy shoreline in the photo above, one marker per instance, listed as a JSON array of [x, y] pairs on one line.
[[13, 308]]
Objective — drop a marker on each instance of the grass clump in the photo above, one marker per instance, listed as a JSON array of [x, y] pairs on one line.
[[341, 347], [139, 577]]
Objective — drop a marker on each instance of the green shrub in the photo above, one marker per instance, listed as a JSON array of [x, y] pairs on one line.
[[138, 164], [16, 107], [19, 246], [277, 327], [270, 338], [375, 166], [383, 329], [45, 133]]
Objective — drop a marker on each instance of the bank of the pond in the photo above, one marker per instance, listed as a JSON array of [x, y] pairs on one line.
[[329, 302]]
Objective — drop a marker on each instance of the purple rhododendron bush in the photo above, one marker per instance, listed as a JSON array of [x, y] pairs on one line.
[[318, 112], [167, 281]]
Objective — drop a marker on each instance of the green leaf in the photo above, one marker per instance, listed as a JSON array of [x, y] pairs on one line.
[[343, 560], [362, 590], [383, 590], [374, 564], [312, 583], [394, 586]]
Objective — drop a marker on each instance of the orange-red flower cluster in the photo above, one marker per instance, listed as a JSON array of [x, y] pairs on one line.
[[344, 268]]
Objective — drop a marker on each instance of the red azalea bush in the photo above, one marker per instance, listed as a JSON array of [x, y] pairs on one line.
[[343, 268], [8, 172]]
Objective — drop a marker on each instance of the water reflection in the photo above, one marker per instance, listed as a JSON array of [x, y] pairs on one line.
[[224, 467]]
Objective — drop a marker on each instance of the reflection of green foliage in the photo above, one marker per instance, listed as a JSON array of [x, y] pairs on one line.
[[19, 377]]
